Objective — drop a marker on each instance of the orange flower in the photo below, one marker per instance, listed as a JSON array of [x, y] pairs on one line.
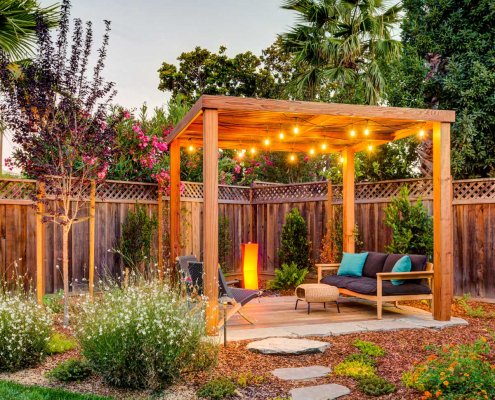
[[427, 395], [438, 393], [446, 383], [483, 339]]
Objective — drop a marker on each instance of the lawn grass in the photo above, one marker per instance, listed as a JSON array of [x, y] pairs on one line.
[[14, 391]]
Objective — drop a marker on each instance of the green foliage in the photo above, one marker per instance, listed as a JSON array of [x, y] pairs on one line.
[[289, 276], [375, 386], [248, 379], [70, 370], [15, 391], [205, 357], [473, 312], [342, 46], [456, 372], [217, 389], [354, 369], [294, 243], [60, 343], [363, 358], [142, 336], [136, 239], [369, 348], [412, 227], [448, 63], [54, 302], [25, 328], [224, 242]]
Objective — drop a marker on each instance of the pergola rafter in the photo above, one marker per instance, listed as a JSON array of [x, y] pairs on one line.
[[216, 122]]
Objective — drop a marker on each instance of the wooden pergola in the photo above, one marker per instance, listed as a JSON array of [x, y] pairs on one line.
[[250, 125]]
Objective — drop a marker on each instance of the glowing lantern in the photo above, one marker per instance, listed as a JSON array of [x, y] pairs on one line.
[[250, 265]]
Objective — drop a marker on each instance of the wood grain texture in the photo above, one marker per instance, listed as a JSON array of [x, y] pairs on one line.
[[348, 206], [174, 202]]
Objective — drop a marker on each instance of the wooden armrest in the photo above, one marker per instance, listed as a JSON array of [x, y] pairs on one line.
[[326, 267], [387, 276]]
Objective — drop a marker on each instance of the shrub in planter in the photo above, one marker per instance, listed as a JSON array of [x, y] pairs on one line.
[[455, 372], [141, 336], [217, 389], [70, 370], [294, 243], [289, 276], [25, 329]]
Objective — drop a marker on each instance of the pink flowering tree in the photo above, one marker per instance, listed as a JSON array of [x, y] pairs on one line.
[[62, 135]]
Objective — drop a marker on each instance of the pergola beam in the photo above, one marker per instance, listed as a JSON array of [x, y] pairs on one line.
[[348, 201]]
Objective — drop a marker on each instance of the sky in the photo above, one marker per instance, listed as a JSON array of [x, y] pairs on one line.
[[146, 33]]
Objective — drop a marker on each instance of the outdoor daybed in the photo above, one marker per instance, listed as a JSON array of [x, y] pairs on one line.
[[375, 283]]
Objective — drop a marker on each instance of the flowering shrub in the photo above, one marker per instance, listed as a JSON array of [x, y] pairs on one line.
[[455, 372], [25, 329], [141, 336]]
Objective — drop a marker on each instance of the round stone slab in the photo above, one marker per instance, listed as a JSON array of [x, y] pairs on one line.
[[286, 346], [302, 373], [320, 392]]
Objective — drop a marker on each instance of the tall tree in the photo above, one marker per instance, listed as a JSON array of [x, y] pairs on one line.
[[18, 22], [448, 62], [342, 44], [59, 123]]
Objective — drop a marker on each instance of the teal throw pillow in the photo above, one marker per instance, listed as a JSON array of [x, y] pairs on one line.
[[402, 265], [352, 264]]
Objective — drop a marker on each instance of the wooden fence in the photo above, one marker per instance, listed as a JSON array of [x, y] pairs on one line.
[[255, 214]]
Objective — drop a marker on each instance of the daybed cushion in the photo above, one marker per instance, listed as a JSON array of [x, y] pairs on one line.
[[365, 285], [403, 265], [374, 264], [352, 264]]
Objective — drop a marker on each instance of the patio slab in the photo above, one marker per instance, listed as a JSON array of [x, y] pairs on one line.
[[321, 392], [286, 346], [276, 317], [301, 373]]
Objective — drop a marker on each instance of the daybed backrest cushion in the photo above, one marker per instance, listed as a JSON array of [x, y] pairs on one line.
[[352, 264], [374, 264], [403, 265]]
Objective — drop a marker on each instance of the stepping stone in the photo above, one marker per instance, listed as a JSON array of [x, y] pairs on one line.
[[295, 374], [320, 392], [286, 346]]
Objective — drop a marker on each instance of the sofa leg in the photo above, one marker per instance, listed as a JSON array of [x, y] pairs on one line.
[[309, 308], [325, 305], [297, 301], [379, 309], [338, 307]]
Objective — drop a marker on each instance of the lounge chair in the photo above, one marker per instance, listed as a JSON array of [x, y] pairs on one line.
[[235, 297]]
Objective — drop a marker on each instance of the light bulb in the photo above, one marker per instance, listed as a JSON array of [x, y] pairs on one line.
[[323, 146], [366, 132], [342, 159], [353, 133], [312, 151], [370, 148], [253, 150], [267, 142], [421, 133], [190, 148], [292, 158], [281, 135], [241, 153], [296, 130]]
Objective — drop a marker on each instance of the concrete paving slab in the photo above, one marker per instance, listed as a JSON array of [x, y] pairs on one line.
[[321, 392], [301, 373]]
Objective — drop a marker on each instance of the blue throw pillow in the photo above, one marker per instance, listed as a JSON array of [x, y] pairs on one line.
[[403, 264], [352, 264]]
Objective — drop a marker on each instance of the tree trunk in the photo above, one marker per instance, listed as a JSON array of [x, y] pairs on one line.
[[65, 271]]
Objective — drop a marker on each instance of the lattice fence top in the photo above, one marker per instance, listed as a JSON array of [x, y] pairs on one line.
[[464, 191]]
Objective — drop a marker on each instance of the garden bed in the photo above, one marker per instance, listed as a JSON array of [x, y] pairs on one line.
[[403, 349]]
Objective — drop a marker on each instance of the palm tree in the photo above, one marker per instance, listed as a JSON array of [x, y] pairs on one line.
[[342, 44], [18, 22]]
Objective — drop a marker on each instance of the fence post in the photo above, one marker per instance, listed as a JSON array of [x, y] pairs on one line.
[[40, 256], [160, 232], [92, 207], [251, 215]]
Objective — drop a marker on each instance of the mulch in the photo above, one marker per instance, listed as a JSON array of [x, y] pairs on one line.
[[403, 349]]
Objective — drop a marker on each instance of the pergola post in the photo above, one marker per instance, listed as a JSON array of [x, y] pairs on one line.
[[210, 217], [348, 222], [442, 223], [174, 205]]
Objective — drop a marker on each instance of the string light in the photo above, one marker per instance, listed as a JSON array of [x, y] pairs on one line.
[[292, 158], [366, 132], [312, 152], [342, 159], [421, 133], [281, 135], [241, 153], [296, 128], [253, 150], [267, 142], [353, 133], [190, 148], [323, 146], [370, 147]]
